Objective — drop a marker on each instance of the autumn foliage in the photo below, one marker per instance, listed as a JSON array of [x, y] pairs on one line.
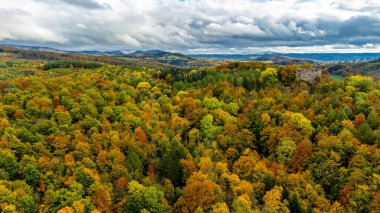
[[239, 137]]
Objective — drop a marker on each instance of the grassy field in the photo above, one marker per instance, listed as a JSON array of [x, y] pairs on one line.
[[337, 77]]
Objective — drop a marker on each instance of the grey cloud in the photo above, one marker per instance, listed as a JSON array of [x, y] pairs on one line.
[[90, 4], [191, 24], [360, 26]]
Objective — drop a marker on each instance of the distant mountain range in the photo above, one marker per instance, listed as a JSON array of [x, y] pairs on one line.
[[141, 52], [157, 54], [321, 57], [161, 55], [37, 48], [360, 63]]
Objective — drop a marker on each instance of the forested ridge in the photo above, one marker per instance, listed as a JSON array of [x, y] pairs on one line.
[[240, 137], [370, 68]]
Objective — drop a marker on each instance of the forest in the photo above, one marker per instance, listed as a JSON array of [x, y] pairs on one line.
[[95, 134]]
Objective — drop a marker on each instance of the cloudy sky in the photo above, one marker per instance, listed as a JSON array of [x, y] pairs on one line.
[[196, 26]]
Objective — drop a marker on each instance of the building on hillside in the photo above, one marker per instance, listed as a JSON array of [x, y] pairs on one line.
[[309, 75]]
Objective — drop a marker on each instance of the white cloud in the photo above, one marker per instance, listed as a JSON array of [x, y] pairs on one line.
[[221, 25]]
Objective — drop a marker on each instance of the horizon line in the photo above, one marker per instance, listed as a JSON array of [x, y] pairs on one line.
[[182, 52]]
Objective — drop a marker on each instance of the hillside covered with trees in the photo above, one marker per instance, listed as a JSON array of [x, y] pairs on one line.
[[92, 136], [370, 68]]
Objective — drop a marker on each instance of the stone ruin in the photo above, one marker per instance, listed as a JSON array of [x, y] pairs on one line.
[[309, 75]]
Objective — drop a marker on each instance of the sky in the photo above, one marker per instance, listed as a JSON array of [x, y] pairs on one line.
[[194, 26]]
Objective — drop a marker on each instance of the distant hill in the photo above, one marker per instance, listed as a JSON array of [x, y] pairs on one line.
[[370, 68], [284, 60], [38, 53], [344, 64], [336, 57], [223, 56], [161, 54], [321, 57], [153, 59], [272, 58], [158, 54], [37, 48], [177, 59], [89, 52], [141, 52]]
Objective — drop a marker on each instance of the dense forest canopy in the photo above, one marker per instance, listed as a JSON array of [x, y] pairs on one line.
[[89, 136]]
